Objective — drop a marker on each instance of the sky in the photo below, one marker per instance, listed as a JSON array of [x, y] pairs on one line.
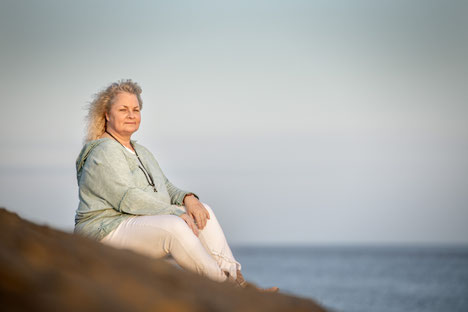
[[298, 122]]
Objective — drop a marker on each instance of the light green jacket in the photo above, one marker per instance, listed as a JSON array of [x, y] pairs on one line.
[[113, 188]]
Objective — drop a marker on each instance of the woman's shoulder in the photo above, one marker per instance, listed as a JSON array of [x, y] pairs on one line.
[[143, 151], [96, 148], [102, 145], [140, 148]]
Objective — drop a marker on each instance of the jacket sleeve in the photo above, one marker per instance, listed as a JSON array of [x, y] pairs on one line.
[[107, 177], [177, 195]]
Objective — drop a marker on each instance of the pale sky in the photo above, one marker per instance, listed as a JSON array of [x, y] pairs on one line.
[[298, 122]]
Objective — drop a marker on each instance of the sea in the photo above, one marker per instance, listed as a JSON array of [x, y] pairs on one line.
[[364, 278]]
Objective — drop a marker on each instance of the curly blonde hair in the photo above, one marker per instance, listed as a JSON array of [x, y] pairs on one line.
[[103, 100]]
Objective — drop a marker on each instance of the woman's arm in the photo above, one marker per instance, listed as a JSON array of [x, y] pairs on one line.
[[177, 195], [106, 176]]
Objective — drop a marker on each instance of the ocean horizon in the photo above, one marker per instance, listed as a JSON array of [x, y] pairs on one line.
[[363, 278]]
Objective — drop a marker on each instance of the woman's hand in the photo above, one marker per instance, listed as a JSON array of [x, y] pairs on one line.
[[196, 210], [188, 219]]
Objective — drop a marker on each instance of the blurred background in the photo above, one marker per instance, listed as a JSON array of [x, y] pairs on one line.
[[297, 121], [335, 123]]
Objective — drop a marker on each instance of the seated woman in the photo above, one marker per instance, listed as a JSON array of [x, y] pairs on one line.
[[126, 201]]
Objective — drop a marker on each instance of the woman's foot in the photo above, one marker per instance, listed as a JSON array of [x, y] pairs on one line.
[[242, 283]]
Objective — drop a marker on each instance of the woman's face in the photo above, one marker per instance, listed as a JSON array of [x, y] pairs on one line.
[[124, 116]]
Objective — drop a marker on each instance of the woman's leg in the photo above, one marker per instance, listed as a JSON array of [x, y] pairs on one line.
[[213, 239], [159, 235]]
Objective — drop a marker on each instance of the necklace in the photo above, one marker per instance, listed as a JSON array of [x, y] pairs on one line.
[[147, 174]]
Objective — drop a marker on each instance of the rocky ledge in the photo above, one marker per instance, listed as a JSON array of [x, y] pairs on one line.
[[43, 269]]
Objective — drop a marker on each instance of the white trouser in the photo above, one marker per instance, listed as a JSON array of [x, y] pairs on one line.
[[160, 235]]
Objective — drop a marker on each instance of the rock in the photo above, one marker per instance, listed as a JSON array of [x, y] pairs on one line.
[[43, 269]]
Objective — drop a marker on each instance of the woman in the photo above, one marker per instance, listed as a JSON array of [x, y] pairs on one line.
[[126, 201]]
